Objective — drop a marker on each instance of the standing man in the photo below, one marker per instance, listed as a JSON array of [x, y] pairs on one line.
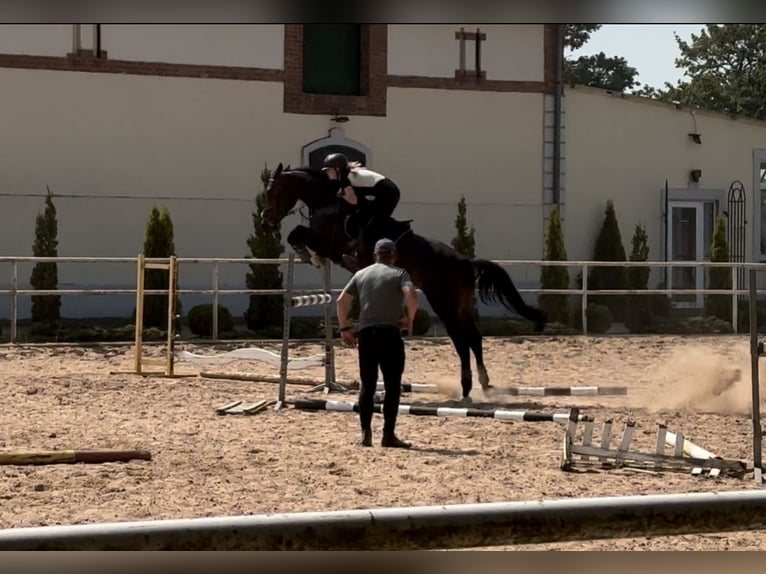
[[383, 290]]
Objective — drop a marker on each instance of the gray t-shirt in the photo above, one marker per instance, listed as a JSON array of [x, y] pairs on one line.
[[378, 288]]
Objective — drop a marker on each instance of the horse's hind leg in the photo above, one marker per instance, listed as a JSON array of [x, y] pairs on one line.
[[474, 340], [463, 349]]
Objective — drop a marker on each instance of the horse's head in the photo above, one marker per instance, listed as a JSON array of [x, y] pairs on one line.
[[286, 187], [279, 198]]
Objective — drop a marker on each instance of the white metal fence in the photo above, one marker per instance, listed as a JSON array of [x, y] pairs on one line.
[[15, 292]]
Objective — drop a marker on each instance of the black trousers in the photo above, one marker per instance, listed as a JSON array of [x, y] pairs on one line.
[[380, 347]]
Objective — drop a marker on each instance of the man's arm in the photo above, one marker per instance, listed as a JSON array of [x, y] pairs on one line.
[[410, 295], [411, 300], [343, 306]]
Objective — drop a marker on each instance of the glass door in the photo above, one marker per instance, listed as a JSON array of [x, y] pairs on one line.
[[686, 238]]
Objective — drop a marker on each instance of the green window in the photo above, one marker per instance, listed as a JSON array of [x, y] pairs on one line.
[[332, 59]]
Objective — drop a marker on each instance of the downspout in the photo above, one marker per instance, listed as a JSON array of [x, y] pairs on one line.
[[558, 87]]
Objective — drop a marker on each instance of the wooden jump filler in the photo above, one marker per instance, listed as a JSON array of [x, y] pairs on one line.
[[686, 457]]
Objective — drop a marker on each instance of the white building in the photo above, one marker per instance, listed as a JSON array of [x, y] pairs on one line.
[[117, 118]]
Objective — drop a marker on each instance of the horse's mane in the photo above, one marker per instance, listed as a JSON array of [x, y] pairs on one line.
[[304, 171]]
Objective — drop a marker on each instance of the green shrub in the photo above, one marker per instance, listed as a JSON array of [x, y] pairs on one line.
[[599, 318], [554, 276], [200, 319]]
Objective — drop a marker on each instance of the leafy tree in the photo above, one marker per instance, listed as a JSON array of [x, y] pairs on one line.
[[158, 243], [638, 314], [598, 70], [726, 65], [265, 243], [464, 242], [555, 276], [609, 248], [719, 277], [45, 274]]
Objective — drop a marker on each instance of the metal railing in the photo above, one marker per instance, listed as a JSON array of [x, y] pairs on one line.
[[215, 291]]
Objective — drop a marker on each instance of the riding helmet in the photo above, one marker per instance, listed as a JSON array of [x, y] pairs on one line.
[[336, 160]]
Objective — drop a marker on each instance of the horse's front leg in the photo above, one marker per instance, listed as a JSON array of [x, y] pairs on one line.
[[299, 239]]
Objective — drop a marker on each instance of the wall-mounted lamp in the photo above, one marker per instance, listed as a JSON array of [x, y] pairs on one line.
[[695, 175], [340, 119], [696, 138]]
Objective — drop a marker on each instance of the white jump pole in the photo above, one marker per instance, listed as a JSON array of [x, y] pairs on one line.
[[420, 527]]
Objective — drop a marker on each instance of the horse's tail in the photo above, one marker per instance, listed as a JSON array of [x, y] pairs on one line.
[[496, 285]]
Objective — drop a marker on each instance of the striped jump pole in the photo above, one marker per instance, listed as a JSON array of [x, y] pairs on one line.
[[312, 300], [559, 391], [417, 410]]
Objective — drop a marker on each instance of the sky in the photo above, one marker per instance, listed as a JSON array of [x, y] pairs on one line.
[[650, 48]]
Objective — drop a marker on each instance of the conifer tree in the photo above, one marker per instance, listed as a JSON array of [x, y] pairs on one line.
[[264, 243], [555, 276], [609, 248], [464, 241], [45, 274], [719, 277], [158, 243], [638, 313]]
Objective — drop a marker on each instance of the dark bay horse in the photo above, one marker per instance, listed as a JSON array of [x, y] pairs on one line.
[[325, 234], [447, 279]]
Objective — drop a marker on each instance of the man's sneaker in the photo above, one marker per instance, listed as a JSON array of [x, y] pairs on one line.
[[366, 438]]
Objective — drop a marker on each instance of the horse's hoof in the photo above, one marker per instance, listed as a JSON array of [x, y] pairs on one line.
[[317, 261]]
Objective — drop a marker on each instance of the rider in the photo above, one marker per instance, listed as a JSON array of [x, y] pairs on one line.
[[371, 193]]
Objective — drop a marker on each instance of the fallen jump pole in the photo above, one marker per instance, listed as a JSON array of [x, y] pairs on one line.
[[417, 528], [417, 410], [72, 456]]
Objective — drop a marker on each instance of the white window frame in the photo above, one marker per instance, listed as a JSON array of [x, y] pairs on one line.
[[335, 136], [699, 206]]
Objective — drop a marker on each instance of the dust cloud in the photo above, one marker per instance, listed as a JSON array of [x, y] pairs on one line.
[[700, 379]]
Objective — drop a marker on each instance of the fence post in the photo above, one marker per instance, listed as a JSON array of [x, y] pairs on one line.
[[584, 299], [286, 306], [14, 300], [734, 303], [215, 301]]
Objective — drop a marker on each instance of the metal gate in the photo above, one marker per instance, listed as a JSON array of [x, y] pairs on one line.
[[736, 228]]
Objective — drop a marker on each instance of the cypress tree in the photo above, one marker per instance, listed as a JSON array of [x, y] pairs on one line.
[[464, 241], [555, 276], [638, 314], [45, 274], [264, 243], [719, 277], [609, 248], [158, 243]]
